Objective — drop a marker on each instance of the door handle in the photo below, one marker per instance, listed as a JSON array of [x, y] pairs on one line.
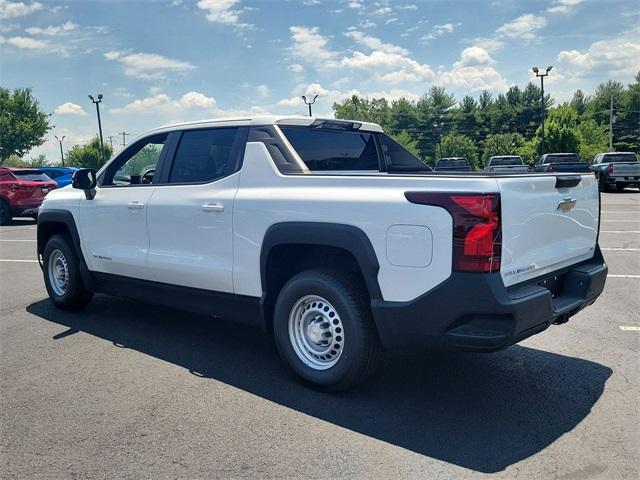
[[213, 207], [135, 205]]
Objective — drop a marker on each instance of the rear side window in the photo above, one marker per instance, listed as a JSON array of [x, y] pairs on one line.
[[204, 156], [333, 150], [398, 158]]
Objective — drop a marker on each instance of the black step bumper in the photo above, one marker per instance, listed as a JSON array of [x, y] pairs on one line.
[[477, 312]]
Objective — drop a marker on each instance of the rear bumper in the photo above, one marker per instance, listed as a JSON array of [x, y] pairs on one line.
[[477, 312], [622, 179]]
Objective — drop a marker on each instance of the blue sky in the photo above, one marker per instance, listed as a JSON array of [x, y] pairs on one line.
[[158, 62]]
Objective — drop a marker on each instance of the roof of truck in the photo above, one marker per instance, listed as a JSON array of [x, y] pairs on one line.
[[263, 120]]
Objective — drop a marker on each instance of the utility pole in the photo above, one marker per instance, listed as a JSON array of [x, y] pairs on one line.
[[304, 99], [541, 76], [60, 142], [611, 121], [97, 102], [110, 137], [124, 135]]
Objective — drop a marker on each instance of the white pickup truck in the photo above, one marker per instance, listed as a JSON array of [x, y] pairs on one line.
[[327, 234]]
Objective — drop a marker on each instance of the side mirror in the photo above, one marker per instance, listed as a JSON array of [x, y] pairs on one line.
[[85, 179]]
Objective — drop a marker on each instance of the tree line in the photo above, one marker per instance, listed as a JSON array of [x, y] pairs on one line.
[[437, 125]]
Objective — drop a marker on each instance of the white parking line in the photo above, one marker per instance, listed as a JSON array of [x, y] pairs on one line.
[[623, 276], [619, 212], [27, 261], [619, 231], [614, 220], [7, 240], [620, 249], [629, 328]]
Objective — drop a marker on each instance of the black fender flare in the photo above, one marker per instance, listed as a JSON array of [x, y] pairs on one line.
[[64, 217], [347, 237]]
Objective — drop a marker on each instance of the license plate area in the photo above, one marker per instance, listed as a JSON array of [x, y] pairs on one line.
[[553, 283]]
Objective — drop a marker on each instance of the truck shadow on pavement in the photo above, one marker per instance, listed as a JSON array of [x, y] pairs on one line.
[[482, 412]]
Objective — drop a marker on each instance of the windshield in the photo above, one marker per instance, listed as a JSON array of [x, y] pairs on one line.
[[30, 176], [572, 158], [621, 157], [505, 161]]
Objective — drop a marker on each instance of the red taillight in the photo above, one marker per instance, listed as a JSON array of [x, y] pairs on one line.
[[550, 168], [610, 168], [477, 235]]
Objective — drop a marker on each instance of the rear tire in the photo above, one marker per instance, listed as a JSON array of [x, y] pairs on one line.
[[5, 213], [324, 329], [620, 187], [61, 268]]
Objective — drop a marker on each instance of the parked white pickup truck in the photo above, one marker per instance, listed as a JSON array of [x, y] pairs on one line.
[[329, 235], [506, 164]]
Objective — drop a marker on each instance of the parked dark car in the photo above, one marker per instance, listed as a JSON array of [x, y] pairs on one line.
[[506, 164], [453, 164], [561, 162], [617, 169], [21, 192], [60, 175]]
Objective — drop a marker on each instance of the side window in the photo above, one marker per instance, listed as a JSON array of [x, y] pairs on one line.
[[204, 155], [333, 150], [399, 159], [137, 165]]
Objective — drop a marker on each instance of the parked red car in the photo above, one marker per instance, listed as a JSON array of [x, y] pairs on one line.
[[21, 192]]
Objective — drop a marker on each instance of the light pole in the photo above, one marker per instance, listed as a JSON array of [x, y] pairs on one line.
[[60, 142], [124, 139], [541, 76], [304, 99], [97, 102]]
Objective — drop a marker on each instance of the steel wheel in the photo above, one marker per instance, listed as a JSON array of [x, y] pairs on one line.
[[58, 272], [316, 332]]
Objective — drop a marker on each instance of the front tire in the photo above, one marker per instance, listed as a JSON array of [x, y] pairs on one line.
[[324, 330], [5, 213], [61, 268]]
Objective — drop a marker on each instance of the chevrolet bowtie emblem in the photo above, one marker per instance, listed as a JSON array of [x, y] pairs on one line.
[[567, 204]]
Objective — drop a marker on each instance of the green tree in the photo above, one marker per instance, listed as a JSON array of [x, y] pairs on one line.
[[529, 151], [16, 161], [88, 155], [456, 145], [561, 132], [358, 108], [23, 124], [593, 139], [501, 144]]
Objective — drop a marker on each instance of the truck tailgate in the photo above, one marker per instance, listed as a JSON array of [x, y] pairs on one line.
[[631, 169], [547, 223]]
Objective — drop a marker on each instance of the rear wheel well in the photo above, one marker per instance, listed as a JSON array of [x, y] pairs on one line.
[[285, 261]]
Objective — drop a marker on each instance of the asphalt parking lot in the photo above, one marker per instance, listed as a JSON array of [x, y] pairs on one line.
[[128, 390]]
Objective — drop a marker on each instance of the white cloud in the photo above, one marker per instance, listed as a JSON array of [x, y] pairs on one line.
[[355, 4], [524, 27], [52, 30], [310, 45], [474, 71], [439, 30], [191, 106], [222, 11], [148, 66], [17, 9], [367, 24], [374, 43], [28, 43], [617, 57], [392, 68], [69, 108], [383, 11], [563, 6], [264, 91], [163, 103], [408, 6]]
